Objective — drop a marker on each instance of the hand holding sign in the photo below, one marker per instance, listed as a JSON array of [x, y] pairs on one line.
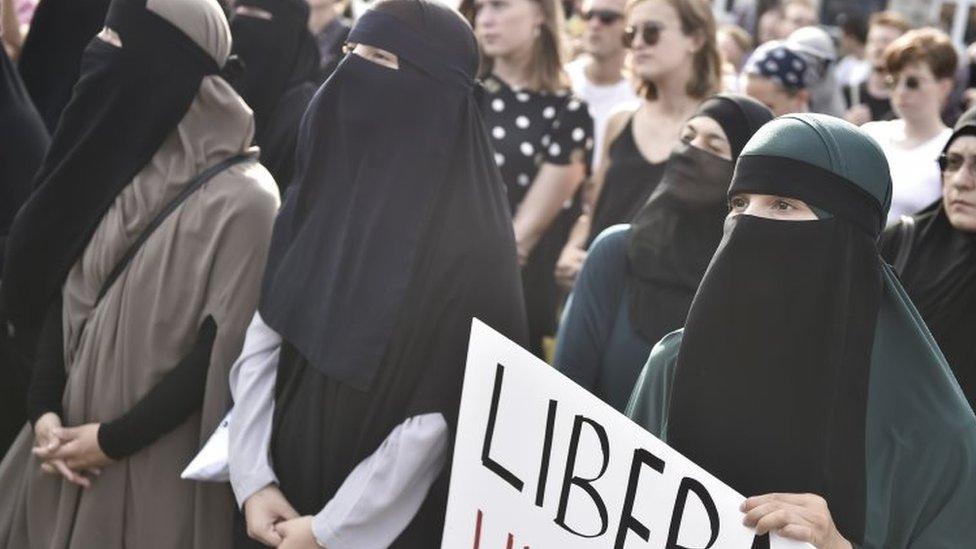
[[801, 517], [541, 463]]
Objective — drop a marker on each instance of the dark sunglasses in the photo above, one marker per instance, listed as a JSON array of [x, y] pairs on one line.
[[650, 33], [911, 82], [952, 163], [606, 17]]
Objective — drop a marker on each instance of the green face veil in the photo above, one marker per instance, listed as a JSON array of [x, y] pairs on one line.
[[804, 368]]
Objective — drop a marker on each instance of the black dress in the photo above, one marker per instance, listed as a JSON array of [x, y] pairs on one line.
[[628, 183], [527, 130]]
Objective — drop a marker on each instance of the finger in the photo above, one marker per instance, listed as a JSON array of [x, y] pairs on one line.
[[48, 468], [756, 513], [67, 450], [95, 471], [798, 532], [756, 501], [774, 521], [70, 475], [288, 512]]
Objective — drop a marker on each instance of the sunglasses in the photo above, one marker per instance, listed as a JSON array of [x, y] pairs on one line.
[[650, 34], [912, 83], [952, 163], [606, 17]]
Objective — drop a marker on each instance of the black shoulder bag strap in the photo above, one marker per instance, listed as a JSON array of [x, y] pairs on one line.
[[906, 237], [191, 187]]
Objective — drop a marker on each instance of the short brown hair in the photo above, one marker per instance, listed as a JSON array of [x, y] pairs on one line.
[[696, 18], [930, 46], [547, 53], [891, 19]]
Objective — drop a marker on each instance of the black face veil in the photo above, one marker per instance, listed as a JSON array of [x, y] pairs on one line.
[[393, 165], [126, 102], [770, 388], [280, 60], [675, 234]]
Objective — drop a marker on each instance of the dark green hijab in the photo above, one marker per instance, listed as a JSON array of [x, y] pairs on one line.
[[803, 366]]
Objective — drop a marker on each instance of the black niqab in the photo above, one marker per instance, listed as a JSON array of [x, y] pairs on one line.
[[395, 234], [675, 234], [940, 277], [23, 141], [51, 58], [280, 63], [784, 322], [380, 148], [118, 117]]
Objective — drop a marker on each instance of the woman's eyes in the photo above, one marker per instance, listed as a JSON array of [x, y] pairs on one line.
[[783, 206], [738, 203]]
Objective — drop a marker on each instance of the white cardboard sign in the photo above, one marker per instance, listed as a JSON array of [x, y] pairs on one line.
[[541, 463]]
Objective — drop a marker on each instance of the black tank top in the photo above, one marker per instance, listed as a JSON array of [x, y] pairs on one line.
[[629, 181]]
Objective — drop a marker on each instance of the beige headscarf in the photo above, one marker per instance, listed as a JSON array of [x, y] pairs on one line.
[[207, 258]]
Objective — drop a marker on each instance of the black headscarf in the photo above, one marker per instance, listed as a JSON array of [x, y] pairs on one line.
[[770, 387], [23, 142], [395, 185], [126, 102], [940, 277], [280, 63], [51, 58], [675, 234]]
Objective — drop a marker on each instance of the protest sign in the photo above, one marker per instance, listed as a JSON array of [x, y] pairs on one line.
[[541, 463]]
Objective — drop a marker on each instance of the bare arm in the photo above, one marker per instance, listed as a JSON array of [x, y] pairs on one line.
[[13, 40], [553, 186]]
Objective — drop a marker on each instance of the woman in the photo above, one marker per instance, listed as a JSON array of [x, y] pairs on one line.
[[934, 253], [638, 280], [804, 377], [675, 56], [280, 63], [148, 268], [351, 374], [921, 64], [23, 142], [542, 136], [816, 47], [50, 59]]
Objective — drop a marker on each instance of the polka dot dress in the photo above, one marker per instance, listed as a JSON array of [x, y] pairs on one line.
[[529, 129]]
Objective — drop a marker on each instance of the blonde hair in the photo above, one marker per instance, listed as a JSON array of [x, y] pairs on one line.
[[706, 76], [546, 68]]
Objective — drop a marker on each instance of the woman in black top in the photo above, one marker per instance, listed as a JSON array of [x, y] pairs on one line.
[[675, 56], [542, 136]]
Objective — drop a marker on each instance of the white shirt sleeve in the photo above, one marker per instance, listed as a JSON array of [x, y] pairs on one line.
[[252, 383], [382, 494]]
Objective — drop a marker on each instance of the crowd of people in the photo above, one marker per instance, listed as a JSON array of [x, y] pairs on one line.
[[755, 235]]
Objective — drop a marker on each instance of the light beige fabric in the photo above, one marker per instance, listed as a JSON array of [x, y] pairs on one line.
[[207, 258]]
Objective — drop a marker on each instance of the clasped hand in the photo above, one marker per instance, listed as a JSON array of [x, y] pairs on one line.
[[72, 452]]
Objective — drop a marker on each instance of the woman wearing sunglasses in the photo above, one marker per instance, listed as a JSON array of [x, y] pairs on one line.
[[675, 58], [921, 65]]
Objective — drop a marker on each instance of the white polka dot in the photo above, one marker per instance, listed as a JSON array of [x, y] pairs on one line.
[[568, 204], [797, 64], [498, 105], [554, 149], [578, 134], [548, 112], [546, 140], [779, 53], [522, 122], [562, 93], [499, 159], [522, 180], [791, 77], [771, 66], [522, 96], [573, 105], [527, 148], [498, 132], [589, 143]]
